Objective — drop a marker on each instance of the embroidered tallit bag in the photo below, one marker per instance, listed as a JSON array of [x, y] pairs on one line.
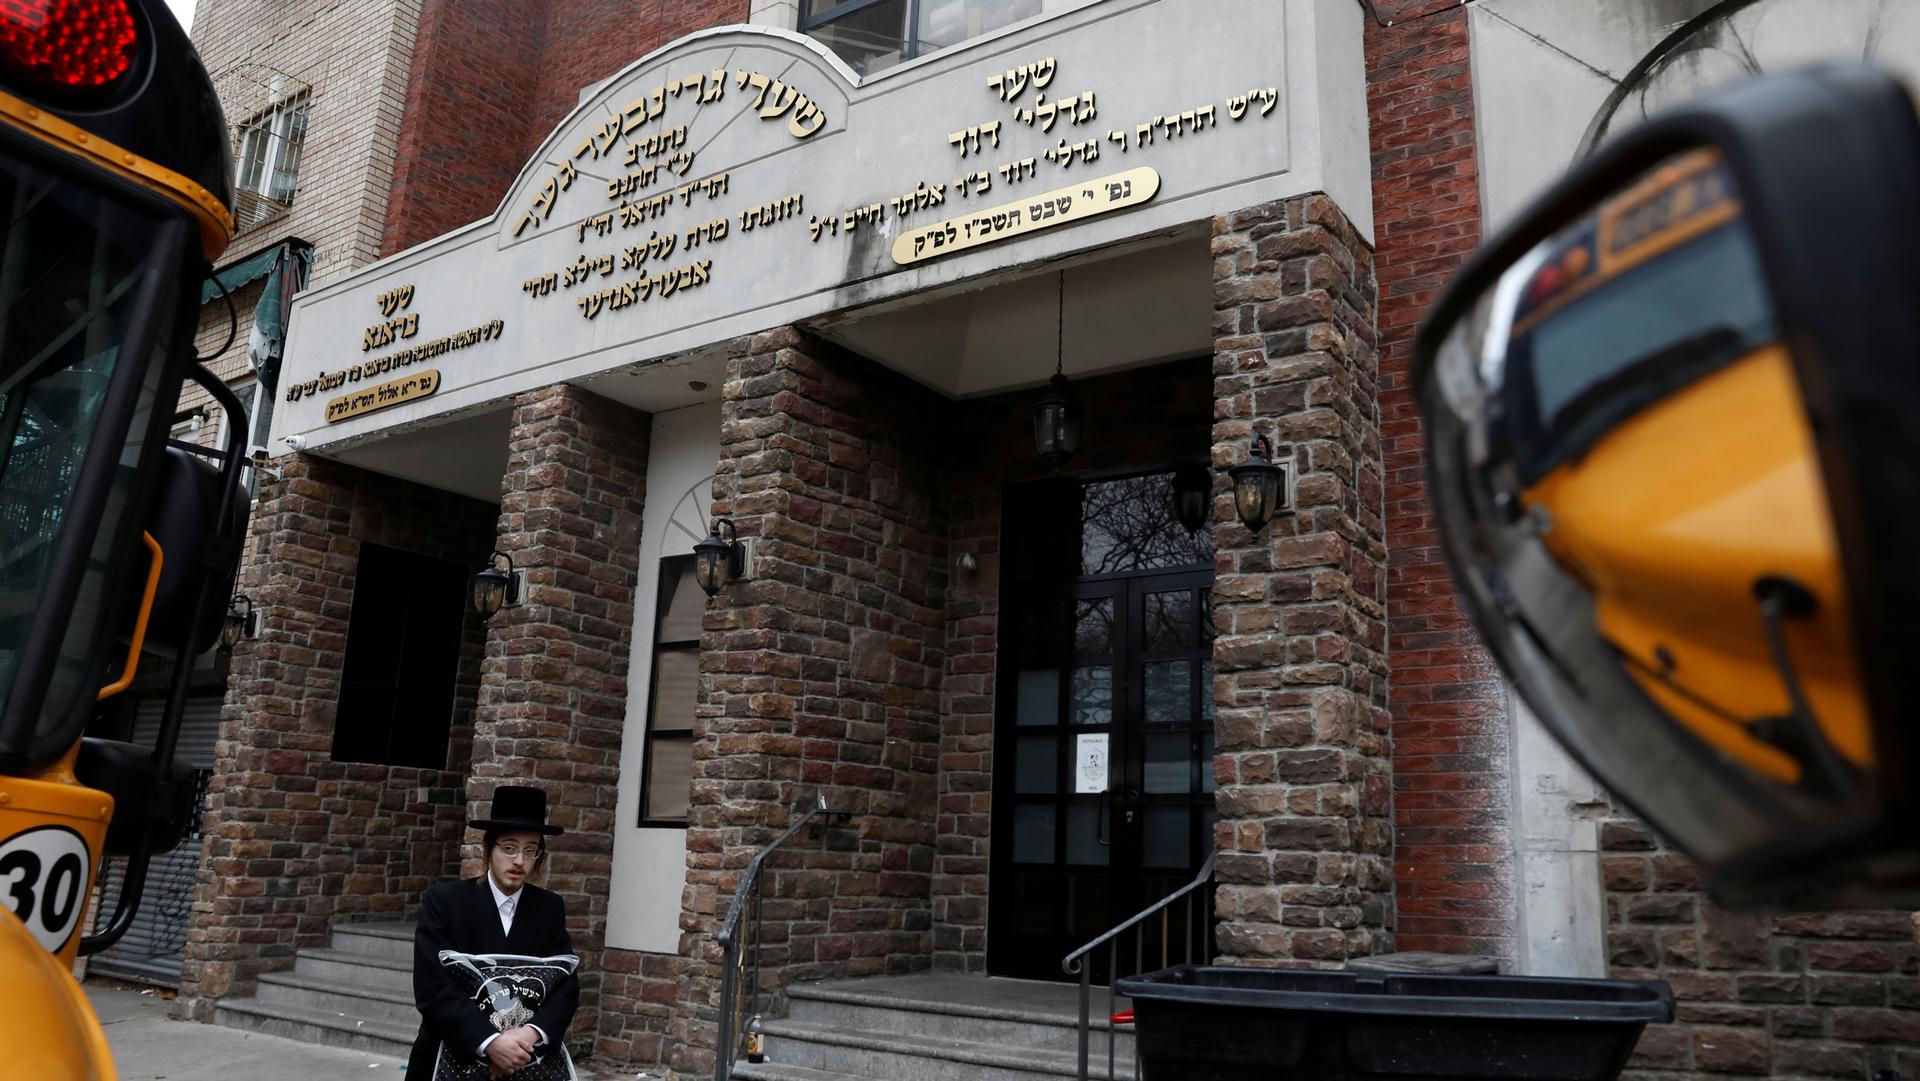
[[507, 989]]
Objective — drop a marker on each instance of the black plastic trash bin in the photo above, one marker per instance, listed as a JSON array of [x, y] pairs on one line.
[[1208, 1023]]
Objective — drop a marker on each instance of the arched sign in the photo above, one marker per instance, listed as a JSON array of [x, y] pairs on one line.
[[744, 178]]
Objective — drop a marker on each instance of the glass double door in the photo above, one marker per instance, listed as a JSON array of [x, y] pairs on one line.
[[1103, 794]]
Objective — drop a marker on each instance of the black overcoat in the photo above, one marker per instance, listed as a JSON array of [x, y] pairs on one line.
[[461, 916]]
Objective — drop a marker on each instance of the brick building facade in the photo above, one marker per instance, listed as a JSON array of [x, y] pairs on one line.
[[1355, 759], [316, 94], [1452, 845]]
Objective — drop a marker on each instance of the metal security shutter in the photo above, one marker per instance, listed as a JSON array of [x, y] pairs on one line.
[[199, 729], [151, 950]]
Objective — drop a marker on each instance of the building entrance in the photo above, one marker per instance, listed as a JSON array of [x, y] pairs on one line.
[[1103, 791]]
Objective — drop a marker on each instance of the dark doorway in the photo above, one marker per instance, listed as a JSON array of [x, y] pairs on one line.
[[1103, 734]]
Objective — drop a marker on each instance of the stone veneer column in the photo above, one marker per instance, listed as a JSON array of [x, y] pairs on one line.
[[819, 675], [295, 840], [1305, 834], [553, 692]]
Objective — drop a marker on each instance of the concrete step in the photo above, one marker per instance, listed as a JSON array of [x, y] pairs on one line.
[[393, 941], [1010, 1013], [316, 1026], [368, 970], [356, 1000], [893, 1056]]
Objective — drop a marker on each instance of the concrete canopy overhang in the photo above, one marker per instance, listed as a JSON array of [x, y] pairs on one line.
[[743, 178], [1143, 304]]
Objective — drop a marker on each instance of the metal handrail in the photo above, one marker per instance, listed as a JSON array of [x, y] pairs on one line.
[[738, 965], [1075, 963]]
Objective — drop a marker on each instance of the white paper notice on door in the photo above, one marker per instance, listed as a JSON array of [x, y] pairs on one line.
[[1089, 763]]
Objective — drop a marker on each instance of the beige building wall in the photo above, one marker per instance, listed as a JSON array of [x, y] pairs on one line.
[[350, 60]]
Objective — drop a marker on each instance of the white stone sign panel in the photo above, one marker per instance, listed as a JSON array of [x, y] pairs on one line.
[[743, 178]]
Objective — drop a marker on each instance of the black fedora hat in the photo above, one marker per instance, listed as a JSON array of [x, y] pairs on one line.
[[518, 807]]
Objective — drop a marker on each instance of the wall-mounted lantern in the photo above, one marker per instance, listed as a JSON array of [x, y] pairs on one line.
[[1259, 486], [495, 587], [1057, 415], [719, 561], [239, 622]]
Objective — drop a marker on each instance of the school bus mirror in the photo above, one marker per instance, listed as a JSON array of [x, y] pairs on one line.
[[1672, 421], [150, 803]]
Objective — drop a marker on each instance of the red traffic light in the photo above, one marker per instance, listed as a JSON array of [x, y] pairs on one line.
[[67, 44]]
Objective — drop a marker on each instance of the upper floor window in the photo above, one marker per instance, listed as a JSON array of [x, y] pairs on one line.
[[267, 166], [873, 35]]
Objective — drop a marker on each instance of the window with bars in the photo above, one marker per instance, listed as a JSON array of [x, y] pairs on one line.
[[873, 35], [668, 775], [267, 161]]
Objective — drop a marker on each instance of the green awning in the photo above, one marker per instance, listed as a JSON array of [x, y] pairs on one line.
[[246, 270], [267, 339]]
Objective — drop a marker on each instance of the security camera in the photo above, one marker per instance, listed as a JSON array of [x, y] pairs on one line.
[[258, 459], [295, 442]]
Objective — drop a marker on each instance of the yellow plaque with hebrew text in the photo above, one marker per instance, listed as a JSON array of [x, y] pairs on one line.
[[1062, 206], [409, 388]]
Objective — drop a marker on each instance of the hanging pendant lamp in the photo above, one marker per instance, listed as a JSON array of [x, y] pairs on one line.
[[1056, 416]]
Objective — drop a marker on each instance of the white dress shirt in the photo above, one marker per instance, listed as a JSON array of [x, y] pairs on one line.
[[506, 903]]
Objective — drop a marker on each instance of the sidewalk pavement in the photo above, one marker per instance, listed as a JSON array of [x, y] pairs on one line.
[[150, 1046]]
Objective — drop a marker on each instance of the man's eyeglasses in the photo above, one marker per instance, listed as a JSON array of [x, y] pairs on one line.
[[514, 851]]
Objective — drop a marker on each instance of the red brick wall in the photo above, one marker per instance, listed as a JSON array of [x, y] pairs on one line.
[[589, 40], [490, 80], [476, 66], [1156, 415], [1452, 872]]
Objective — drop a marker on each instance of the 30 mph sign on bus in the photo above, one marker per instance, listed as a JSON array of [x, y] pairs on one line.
[[43, 879]]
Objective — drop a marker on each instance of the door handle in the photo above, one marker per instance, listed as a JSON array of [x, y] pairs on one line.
[[1100, 819]]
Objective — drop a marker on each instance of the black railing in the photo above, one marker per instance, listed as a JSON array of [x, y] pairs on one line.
[[1195, 938], [739, 940]]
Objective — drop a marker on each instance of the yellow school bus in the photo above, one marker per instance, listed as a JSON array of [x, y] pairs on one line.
[[1620, 370], [114, 546]]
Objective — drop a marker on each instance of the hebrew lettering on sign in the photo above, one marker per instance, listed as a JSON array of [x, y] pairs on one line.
[[710, 232], [394, 300], [663, 284], [774, 99], [769, 213], [969, 139], [409, 388], [381, 335], [1055, 208], [402, 358], [1010, 84]]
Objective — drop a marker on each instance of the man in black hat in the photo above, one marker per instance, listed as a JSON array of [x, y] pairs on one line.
[[496, 912]]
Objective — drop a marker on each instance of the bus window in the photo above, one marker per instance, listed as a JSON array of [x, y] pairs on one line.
[[1663, 288], [72, 269]]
